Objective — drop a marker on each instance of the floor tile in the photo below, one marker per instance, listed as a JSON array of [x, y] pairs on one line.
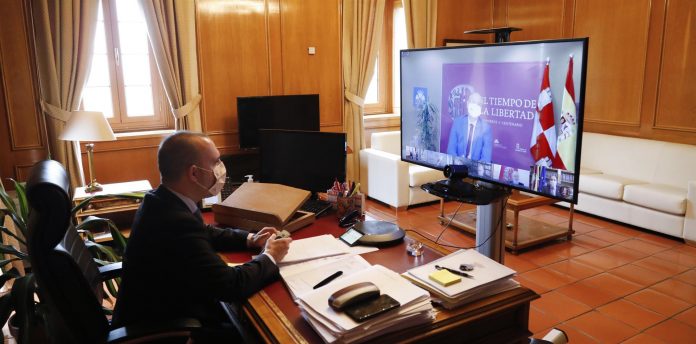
[[537, 288], [547, 278], [518, 263], [587, 294], [609, 236], [658, 302], [613, 284], [544, 255], [666, 241], [678, 257], [603, 328], [539, 320], [642, 246], [688, 276], [688, 316], [686, 249], [575, 269], [560, 306], [602, 261], [643, 338], [584, 228], [625, 254], [673, 331], [639, 275], [631, 314], [661, 265], [589, 242], [676, 288], [576, 336]]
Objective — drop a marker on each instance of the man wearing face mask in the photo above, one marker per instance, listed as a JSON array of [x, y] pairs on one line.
[[170, 268], [470, 136]]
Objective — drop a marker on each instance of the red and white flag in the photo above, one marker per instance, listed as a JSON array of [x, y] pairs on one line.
[[543, 144], [565, 154]]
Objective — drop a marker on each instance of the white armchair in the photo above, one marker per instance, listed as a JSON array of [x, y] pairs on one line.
[[388, 179]]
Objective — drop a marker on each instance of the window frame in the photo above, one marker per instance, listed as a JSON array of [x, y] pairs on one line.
[[384, 65], [121, 122]]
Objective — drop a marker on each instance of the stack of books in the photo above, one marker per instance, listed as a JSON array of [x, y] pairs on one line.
[[336, 326], [479, 277]]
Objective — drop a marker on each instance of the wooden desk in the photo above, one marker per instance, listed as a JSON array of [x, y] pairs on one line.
[[501, 318], [524, 232]]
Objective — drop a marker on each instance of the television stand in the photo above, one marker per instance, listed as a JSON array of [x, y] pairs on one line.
[[523, 231], [490, 201]]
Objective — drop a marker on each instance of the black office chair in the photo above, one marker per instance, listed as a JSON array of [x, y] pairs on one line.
[[69, 282]]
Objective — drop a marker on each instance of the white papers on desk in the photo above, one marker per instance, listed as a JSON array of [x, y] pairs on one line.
[[488, 278], [312, 248], [308, 274], [335, 326]]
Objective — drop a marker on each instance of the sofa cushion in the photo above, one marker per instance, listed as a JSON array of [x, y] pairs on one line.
[[388, 141], [605, 185], [660, 197], [419, 175], [587, 170]]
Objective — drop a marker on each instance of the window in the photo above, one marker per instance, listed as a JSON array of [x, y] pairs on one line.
[[124, 83], [383, 94]]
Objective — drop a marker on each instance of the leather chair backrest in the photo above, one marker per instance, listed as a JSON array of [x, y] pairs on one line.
[[67, 277]]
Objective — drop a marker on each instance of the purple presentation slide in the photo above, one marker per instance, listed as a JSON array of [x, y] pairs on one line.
[[509, 91]]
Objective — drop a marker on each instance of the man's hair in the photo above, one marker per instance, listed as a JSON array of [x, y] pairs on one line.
[[176, 153]]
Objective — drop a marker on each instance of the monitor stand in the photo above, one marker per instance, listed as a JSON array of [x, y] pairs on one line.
[[490, 212]]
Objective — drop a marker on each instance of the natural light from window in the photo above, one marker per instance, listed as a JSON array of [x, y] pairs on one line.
[[399, 42]]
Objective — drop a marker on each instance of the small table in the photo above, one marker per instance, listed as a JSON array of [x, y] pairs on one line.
[[109, 205], [523, 232]]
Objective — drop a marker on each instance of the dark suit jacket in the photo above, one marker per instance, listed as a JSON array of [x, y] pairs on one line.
[[172, 270]]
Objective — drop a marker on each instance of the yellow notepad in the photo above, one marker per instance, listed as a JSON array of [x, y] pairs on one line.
[[444, 277]]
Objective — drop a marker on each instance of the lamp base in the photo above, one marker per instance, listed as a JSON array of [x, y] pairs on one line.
[[93, 187]]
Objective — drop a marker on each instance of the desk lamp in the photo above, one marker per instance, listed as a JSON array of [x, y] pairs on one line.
[[88, 126]]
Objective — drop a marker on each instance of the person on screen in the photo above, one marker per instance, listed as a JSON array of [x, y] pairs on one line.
[[516, 178], [470, 136], [552, 186], [171, 269]]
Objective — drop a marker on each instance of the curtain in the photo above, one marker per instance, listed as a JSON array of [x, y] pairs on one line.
[[172, 31], [362, 30], [63, 38], [421, 23]]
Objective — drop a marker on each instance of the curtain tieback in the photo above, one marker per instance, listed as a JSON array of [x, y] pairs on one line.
[[187, 108], [353, 98], [55, 112]]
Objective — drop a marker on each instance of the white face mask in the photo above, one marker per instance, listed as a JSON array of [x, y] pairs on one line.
[[220, 174]]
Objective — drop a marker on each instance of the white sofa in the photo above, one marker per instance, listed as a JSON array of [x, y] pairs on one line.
[[386, 178], [645, 183]]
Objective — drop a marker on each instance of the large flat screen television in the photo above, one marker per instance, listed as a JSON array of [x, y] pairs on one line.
[[309, 160], [512, 113], [293, 112]]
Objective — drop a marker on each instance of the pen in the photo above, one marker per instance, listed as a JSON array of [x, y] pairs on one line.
[[464, 274], [326, 281]]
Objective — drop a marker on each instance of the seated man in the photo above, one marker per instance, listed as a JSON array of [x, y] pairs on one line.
[[171, 268]]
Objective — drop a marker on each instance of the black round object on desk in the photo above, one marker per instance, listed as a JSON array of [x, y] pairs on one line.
[[379, 233]]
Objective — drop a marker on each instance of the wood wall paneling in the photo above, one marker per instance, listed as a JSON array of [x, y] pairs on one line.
[[233, 58], [313, 23], [22, 132], [456, 16], [618, 32], [676, 106], [538, 19]]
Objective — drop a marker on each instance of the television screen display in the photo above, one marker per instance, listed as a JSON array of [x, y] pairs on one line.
[[512, 113], [309, 160], [294, 112]]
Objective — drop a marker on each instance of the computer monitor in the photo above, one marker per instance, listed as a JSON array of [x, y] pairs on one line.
[[309, 160], [293, 112], [512, 112]]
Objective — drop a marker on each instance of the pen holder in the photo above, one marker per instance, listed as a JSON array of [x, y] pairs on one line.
[[345, 205]]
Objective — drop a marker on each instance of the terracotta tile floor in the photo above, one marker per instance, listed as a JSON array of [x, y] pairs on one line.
[[612, 283]]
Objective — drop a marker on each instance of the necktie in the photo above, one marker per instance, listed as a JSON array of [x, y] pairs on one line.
[[469, 140], [198, 215]]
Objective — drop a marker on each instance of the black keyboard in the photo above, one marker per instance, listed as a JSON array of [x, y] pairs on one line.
[[316, 206], [228, 188]]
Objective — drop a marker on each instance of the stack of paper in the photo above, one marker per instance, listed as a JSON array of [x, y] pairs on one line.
[[487, 278], [301, 278], [335, 326], [312, 248]]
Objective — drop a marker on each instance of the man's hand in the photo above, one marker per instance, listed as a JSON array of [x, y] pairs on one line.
[[277, 248], [259, 239]]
